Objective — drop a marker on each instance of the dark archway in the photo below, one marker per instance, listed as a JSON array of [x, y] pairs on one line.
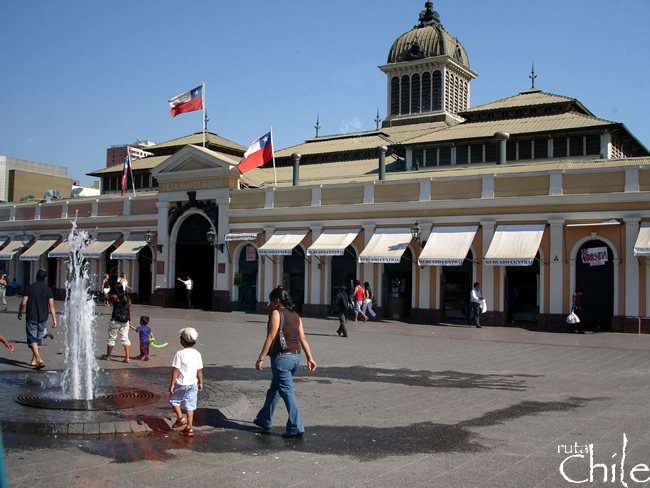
[[194, 258], [397, 286], [293, 277], [456, 284], [522, 292], [247, 278], [145, 271], [344, 272], [597, 285]]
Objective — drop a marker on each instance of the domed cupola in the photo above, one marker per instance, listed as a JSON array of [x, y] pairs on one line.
[[428, 73]]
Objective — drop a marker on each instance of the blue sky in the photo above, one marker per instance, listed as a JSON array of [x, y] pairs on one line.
[[79, 77]]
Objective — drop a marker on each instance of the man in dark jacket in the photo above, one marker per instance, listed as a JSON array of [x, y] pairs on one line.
[[38, 303], [343, 302]]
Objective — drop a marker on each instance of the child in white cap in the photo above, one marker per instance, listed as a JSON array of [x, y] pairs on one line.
[[187, 380]]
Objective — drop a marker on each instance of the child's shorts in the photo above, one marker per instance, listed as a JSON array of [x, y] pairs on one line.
[[144, 348], [185, 396]]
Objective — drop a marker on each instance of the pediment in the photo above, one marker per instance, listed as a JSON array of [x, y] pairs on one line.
[[197, 168], [194, 159]]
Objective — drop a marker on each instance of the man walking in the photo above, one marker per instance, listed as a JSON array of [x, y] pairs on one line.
[[3, 289], [475, 297], [37, 302]]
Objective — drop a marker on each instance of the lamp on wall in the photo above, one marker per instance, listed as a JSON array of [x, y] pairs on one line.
[[211, 236], [416, 233], [148, 238], [25, 238]]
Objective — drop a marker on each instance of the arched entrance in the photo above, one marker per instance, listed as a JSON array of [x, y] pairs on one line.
[[595, 277], [397, 286], [145, 270], [194, 258], [248, 265], [344, 272], [456, 284], [522, 292], [293, 277]]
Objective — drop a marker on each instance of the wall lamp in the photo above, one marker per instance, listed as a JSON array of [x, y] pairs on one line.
[[25, 238], [148, 238], [416, 233], [211, 236]]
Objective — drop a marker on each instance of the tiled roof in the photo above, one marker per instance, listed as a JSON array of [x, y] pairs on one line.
[[137, 165], [525, 125], [524, 99], [197, 139]]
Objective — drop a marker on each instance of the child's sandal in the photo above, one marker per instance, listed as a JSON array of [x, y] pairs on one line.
[[179, 423]]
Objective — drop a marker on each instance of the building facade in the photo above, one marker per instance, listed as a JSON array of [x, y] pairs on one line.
[[532, 195]]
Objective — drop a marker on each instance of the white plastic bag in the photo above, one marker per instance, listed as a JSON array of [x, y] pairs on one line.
[[483, 306], [572, 318]]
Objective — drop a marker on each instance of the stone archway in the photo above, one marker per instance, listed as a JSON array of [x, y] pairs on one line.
[[194, 257]]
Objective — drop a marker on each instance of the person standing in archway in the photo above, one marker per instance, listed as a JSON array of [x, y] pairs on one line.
[[189, 284], [576, 307], [476, 299]]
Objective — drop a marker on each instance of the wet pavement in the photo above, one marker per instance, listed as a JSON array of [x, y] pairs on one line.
[[394, 404]]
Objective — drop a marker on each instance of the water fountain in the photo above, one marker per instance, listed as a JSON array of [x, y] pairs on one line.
[[81, 386]]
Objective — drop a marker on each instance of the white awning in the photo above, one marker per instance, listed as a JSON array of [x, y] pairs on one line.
[[282, 242], [242, 236], [447, 246], [514, 245], [41, 246], [642, 246], [606, 222], [130, 248], [95, 249], [386, 246], [10, 250], [332, 242], [60, 251]]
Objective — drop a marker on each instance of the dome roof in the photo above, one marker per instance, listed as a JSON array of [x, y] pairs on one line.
[[426, 40]]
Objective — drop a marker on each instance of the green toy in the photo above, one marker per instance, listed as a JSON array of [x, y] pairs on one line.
[[157, 345]]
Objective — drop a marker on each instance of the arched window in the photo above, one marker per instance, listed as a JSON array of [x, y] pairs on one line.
[[436, 90], [406, 91], [426, 92], [394, 96], [415, 94]]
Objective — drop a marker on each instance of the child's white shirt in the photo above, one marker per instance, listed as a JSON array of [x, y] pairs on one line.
[[188, 361]]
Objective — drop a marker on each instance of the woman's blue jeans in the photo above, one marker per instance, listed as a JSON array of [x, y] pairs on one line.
[[283, 368]]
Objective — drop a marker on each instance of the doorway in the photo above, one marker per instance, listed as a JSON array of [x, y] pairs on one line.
[[456, 287], [194, 258], [596, 280], [397, 286]]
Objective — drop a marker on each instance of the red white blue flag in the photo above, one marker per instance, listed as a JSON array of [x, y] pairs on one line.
[[127, 168], [187, 102], [260, 152]]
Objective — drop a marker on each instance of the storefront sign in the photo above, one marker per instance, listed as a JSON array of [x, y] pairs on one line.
[[251, 255], [595, 256]]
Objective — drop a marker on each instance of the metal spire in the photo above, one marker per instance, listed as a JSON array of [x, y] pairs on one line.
[[317, 126], [532, 75], [377, 119]]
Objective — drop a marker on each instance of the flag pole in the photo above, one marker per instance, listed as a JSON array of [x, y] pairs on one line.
[[205, 122], [131, 168], [275, 176]]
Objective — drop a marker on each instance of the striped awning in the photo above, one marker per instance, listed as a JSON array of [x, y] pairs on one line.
[[282, 242], [447, 246], [332, 242], [10, 250], [41, 246], [386, 246], [130, 248], [95, 249]]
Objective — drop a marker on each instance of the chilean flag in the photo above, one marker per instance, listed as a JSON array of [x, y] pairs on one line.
[[187, 102], [127, 169], [260, 152]]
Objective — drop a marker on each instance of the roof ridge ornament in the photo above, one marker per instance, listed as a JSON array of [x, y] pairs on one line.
[[428, 16], [532, 75]]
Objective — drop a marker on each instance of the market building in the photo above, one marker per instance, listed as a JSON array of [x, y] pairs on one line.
[[532, 195]]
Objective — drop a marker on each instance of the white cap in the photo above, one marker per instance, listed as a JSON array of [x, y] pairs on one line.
[[189, 334]]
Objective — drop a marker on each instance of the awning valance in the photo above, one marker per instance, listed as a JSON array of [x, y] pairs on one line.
[[10, 250], [514, 245], [60, 251], [447, 246], [95, 249], [130, 248], [642, 246], [242, 236], [41, 246], [332, 242], [282, 242], [386, 246]]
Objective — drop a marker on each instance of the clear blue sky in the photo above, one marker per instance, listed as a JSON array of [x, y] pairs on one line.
[[79, 77]]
